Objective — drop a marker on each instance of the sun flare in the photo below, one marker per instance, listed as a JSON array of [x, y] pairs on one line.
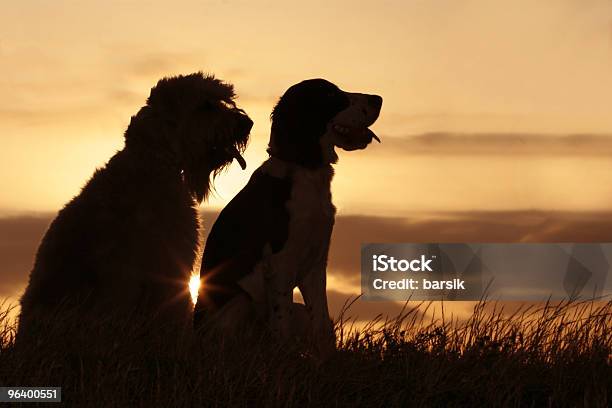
[[194, 286]]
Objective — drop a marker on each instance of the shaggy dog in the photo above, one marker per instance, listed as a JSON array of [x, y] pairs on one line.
[[129, 239], [275, 234]]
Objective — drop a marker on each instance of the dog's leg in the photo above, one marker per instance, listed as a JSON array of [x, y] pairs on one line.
[[313, 289], [281, 279]]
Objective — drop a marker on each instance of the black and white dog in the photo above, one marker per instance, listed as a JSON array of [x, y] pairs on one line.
[[275, 234]]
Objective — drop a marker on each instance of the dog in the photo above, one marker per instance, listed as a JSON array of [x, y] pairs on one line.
[[274, 235], [128, 241]]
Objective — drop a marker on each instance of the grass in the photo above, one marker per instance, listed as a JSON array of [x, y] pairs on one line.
[[552, 355]]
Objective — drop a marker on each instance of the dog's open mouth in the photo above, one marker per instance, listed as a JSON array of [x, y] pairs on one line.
[[353, 137], [235, 154]]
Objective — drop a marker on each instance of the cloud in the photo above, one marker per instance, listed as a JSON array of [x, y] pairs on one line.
[[20, 237], [495, 226], [450, 143]]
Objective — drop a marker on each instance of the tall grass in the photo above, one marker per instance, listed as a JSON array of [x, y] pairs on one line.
[[551, 355]]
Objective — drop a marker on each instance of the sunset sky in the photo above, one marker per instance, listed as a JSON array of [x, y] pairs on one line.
[[488, 106]]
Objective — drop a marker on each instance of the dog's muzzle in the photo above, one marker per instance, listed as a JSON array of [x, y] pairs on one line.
[[351, 126]]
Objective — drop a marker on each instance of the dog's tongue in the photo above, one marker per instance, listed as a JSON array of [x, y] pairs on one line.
[[236, 155], [372, 135], [354, 133]]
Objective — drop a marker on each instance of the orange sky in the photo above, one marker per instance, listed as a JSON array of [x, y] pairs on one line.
[[504, 79], [73, 73]]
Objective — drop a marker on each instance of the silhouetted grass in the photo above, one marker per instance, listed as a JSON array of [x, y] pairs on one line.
[[555, 355]]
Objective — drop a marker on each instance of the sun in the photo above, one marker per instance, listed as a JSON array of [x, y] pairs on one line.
[[194, 286]]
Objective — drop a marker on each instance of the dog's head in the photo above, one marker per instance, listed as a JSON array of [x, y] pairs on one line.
[[315, 116], [193, 122]]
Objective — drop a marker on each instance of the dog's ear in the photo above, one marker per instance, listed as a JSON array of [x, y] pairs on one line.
[[295, 134], [300, 120], [151, 134]]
